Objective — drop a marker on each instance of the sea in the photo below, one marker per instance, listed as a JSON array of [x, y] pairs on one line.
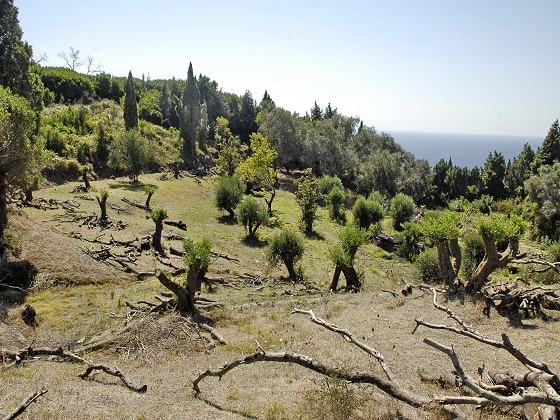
[[464, 150]]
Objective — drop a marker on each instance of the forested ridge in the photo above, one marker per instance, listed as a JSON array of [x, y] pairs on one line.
[[322, 183]]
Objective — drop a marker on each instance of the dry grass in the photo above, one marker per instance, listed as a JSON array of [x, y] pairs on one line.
[[82, 299]]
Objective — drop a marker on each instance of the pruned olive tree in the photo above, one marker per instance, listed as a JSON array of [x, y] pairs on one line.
[[444, 229], [197, 259], [343, 256], [286, 246], [158, 216]]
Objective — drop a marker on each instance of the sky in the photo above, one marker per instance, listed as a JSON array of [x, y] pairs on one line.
[[451, 66]]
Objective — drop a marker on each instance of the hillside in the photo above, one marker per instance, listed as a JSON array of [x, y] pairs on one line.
[[79, 300]]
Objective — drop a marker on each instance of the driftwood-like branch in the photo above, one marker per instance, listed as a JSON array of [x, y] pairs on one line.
[[24, 404], [506, 390], [347, 335], [114, 372]]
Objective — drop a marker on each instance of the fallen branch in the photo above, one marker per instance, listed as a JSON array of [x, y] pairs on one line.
[[114, 372], [24, 404]]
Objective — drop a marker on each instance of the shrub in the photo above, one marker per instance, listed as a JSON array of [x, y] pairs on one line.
[[286, 246], [402, 209], [327, 183], [367, 212], [336, 199], [200, 249], [428, 267], [228, 194], [308, 197], [408, 247], [252, 214]]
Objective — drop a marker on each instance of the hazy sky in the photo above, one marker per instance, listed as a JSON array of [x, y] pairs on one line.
[[469, 66]]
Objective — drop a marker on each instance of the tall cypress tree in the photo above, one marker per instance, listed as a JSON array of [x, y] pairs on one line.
[[190, 118], [130, 106]]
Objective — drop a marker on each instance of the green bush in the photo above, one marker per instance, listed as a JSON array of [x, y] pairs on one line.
[[286, 246], [336, 199], [402, 209], [229, 192], [252, 214], [428, 267], [367, 212], [409, 237], [327, 183], [200, 249]]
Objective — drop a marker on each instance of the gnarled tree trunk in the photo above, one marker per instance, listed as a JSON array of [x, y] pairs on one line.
[[352, 280], [491, 261], [444, 261]]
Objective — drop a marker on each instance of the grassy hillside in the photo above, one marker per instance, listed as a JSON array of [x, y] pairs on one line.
[[166, 351]]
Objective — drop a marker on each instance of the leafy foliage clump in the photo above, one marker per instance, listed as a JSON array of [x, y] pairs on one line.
[[402, 209], [307, 197], [367, 212], [252, 214], [427, 265], [228, 194], [197, 250], [286, 246]]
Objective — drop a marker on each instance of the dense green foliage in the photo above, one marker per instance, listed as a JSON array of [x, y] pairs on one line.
[[402, 209], [229, 192], [197, 251], [367, 212], [307, 197], [131, 151], [130, 106], [351, 239], [19, 154], [286, 246], [252, 213]]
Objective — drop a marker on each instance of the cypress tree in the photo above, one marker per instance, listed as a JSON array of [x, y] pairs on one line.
[[130, 107], [190, 120], [550, 150]]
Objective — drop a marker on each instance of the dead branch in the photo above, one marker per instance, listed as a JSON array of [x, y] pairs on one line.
[[212, 332], [24, 404], [114, 372], [348, 336], [505, 390], [385, 385], [132, 203]]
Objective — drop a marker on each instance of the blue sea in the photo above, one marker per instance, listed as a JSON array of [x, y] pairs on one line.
[[465, 150]]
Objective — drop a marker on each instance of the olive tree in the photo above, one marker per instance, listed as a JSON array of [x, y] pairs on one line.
[[252, 214], [130, 151], [228, 194], [402, 209], [343, 256], [286, 246], [158, 216], [308, 197], [444, 229]]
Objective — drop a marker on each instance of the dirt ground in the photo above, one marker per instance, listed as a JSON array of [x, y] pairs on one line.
[[166, 352]]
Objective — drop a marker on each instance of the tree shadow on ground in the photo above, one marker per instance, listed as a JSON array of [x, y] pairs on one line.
[[130, 186], [254, 242], [224, 409], [226, 219], [314, 235], [15, 278]]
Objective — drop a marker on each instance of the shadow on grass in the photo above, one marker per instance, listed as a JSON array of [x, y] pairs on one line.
[[314, 235], [227, 220], [254, 242], [16, 277], [220, 408], [130, 186]]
